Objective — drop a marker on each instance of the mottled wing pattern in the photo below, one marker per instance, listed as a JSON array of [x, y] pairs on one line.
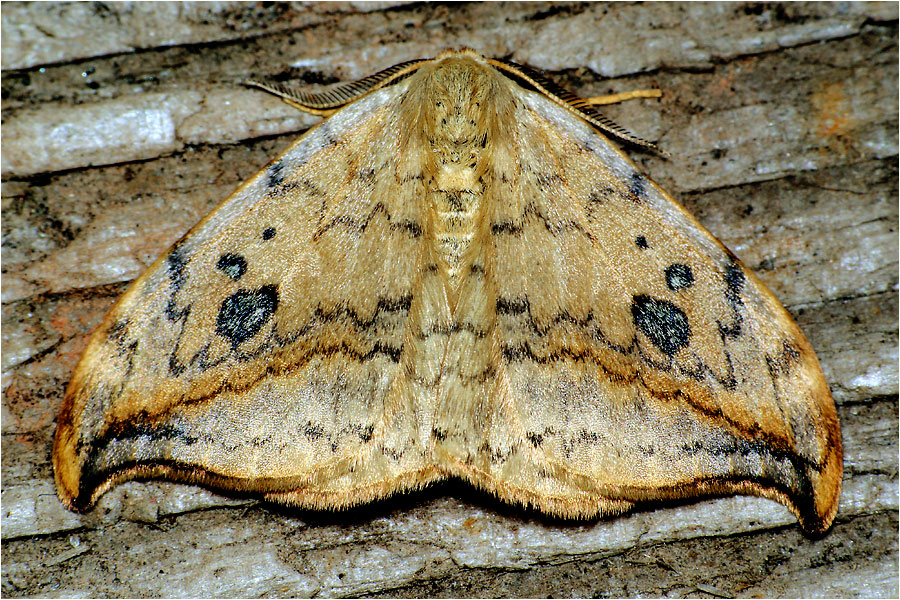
[[633, 357], [246, 358]]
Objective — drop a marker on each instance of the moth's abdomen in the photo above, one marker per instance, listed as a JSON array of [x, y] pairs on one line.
[[457, 188], [457, 200]]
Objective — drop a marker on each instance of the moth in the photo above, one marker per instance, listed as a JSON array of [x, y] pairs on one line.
[[456, 275]]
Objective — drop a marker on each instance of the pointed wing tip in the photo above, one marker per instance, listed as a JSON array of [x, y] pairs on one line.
[[66, 468], [817, 524], [77, 504], [816, 504], [827, 499], [69, 489]]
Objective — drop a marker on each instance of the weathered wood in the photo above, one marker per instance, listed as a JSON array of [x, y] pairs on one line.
[[782, 125]]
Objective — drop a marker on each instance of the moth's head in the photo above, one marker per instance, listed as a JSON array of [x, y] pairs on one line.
[[455, 91], [460, 52]]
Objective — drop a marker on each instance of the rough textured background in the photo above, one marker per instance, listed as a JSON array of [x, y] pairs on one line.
[[123, 125]]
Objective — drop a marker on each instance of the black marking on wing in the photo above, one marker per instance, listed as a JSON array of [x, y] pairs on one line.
[[547, 181], [535, 438], [520, 309], [679, 277], [506, 227], [531, 212], [244, 313], [138, 427], [512, 306], [664, 324], [347, 314], [734, 284], [771, 454], [785, 361], [598, 197], [366, 433], [142, 444], [311, 188], [125, 347], [783, 468], [233, 265], [276, 175], [117, 333], [176, 262], [411, 228], [637, 187]]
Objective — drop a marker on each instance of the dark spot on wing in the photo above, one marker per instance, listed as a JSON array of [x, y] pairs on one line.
[[662, 322], [535, 438], [734, 279], [734, 284], [232, 265], [411, 227], [512, 306], [118, 331], [276, 175], [784, 362], [507, 227], [313, 432], [245, 312], [641, 242], [268, 233], [176, 261], [637, 187], [679, 277], [366, 433]]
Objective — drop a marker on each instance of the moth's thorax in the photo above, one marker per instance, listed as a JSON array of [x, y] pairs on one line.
[[460, 103]]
